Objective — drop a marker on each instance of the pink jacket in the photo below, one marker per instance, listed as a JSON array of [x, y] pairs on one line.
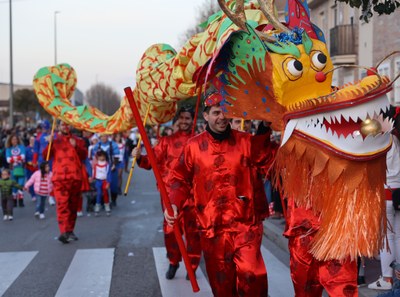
[[36, 179]]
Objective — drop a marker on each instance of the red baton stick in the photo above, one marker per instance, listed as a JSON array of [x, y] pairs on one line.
[[161, 186]]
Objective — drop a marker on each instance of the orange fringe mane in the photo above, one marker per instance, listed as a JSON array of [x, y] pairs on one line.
[[346, 196]]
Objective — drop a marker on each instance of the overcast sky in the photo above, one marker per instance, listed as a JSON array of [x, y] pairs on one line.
[[102, 39]]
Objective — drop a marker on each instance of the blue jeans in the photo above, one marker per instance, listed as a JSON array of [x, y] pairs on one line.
[[268, 190], [40, 203], [20, 180], [28, 174], [395, 292]]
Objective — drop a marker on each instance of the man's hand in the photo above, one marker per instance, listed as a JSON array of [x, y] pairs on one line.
[[107, 186], [397, 273], [171, 219], [136, 152], [49, 138], [72, 141]]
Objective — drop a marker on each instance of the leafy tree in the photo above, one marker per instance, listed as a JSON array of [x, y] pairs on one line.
[[25, 101], [103, 97], [378, 6], [26, 105]]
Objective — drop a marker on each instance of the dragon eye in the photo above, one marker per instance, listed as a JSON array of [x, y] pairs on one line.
[[319, 60], [295, 67]]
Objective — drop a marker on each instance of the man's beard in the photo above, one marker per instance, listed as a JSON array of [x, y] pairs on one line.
[[184, 128]]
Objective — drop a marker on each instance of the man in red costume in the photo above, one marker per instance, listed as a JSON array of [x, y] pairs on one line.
[[167, 152], [68, 152], [219, 165], [309, 275]]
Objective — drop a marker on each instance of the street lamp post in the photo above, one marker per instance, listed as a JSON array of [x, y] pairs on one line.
[[11, 103], [55, 36]]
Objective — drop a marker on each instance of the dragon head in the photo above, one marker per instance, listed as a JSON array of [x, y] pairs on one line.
[[286, 78], [334, 139]]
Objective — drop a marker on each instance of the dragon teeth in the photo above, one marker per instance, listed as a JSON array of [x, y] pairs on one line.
[[313, 126]]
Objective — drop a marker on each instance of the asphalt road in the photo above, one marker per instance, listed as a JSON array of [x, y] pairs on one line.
[[132, 229], [34, 263]]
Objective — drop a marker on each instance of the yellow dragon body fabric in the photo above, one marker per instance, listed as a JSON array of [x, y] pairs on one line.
[[163, 77], [282, 74]]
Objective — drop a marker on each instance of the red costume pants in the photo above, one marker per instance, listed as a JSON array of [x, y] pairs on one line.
[[67, 194], [191, 233], [311, 276], [234, 263]]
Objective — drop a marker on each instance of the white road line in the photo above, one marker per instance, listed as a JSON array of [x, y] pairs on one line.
[[279, 280], [179, 286], [89, 274], [11, 266]]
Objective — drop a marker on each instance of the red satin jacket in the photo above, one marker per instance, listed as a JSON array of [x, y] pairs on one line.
[[167, 151], [67, 160], [222, 176]]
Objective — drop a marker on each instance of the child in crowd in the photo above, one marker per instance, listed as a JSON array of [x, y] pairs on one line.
[[15, 154], [6, 187], [41, 181], [102, 177]]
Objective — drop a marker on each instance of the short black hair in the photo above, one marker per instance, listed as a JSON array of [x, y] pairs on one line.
[[206, 109], [186, 108], [100, 153]]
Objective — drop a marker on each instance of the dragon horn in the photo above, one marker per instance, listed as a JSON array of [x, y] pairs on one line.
[[267, 8], [239, 18]]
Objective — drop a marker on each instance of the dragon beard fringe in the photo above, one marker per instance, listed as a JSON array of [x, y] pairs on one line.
[[346, 196]]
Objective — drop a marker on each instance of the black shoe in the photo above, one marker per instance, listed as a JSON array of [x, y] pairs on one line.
[[21, 203], [113, 203], [72, 236], [63, 238], [171, 271]]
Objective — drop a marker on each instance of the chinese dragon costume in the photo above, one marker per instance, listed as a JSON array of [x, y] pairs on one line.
[[331, 161]]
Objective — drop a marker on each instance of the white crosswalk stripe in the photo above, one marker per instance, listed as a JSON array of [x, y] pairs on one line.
[[179, 286], [280, 283], [89, 274], [11, 266]]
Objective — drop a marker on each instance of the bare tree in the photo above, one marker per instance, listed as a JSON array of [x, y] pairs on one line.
[[103, 97], [208, 8]]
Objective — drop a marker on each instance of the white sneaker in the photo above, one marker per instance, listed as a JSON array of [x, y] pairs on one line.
[[79, 214], [96, 209], [5, 218], [107, 207], [380, 284], [52, 201], [10, 218], [37, 213], [41, 216]]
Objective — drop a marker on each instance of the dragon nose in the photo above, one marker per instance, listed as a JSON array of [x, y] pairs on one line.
[[320, 76]]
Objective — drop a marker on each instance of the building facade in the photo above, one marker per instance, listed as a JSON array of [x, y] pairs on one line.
[[352, 42]]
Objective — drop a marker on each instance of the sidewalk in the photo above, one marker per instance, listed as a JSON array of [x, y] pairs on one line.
[[273, 230]]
